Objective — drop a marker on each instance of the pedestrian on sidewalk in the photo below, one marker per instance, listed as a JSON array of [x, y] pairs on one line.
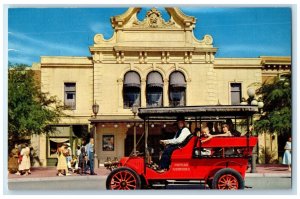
[[13, 160], [76, 160], [19, 158], [24, 166], [90, 149], [61, 160], [69, 156], [287, 156], [82, 158]]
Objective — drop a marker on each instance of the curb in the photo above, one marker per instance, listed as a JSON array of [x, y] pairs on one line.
[[62, 178], [253, 175]]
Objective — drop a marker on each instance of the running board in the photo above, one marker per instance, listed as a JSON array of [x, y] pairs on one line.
[[186, 181], [182, 182]]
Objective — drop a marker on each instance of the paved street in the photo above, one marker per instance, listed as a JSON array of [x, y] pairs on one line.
[[98, 183], [268, 177]]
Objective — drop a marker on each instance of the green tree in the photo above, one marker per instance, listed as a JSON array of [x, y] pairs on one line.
[[30, 111], [277, 112]]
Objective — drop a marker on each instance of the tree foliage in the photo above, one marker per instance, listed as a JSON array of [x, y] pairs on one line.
[[30, 111], [277, 112]]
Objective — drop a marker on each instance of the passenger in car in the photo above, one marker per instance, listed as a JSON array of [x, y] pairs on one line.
[[231, 128], [207, 136], [226, 131], [225, 128]]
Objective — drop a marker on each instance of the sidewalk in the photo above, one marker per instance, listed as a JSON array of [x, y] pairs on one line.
[[50, 172], [269, 170]]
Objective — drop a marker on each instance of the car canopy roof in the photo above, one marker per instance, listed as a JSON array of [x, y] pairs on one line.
[[222, 111]]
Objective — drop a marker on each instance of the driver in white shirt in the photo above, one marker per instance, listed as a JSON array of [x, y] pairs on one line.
[[179, 137]]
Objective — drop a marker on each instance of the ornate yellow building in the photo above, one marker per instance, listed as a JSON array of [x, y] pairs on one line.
[[145, 63]]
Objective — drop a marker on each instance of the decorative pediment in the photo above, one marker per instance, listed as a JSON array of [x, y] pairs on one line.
[[154, 34], [153, 19]]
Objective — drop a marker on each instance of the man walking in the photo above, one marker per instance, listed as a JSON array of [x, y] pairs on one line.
[[90, 148]]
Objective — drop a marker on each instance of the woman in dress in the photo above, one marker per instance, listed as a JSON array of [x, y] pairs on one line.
[[61, 161], [24, 166], [287, 156]]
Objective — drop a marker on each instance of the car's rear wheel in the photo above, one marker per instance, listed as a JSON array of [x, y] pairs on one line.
[[228, 179], [123, 179]]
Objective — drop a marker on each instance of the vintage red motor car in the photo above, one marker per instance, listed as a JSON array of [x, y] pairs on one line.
[[223, 168]]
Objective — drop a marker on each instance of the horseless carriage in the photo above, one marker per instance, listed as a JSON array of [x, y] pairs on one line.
[[218, 170]]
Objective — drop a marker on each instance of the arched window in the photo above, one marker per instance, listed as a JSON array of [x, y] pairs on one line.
[[154, 89], [177, 89], [132, 89]]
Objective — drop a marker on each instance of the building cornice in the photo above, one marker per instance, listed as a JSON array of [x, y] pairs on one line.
[[63, 65], [151, 49], [237, 63], [276, 63], [272, 60], [66, 61]]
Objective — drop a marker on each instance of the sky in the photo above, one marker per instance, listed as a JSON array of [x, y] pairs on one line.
[[237, 32]]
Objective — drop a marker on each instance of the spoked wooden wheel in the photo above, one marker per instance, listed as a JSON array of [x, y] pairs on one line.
[[123, 179], [227, 179]]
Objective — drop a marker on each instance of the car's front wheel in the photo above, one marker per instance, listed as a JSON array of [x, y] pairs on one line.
[[123, 179]]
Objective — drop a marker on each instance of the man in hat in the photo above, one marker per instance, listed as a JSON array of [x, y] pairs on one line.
[[69, 156], [179, 137]]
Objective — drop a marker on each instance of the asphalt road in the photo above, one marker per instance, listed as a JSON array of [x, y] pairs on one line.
[[96, 184]]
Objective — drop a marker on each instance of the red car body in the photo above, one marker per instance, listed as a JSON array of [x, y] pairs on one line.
[[186, 166], [224, 167]]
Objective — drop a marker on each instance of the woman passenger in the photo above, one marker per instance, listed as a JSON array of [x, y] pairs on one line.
[[226, 131]]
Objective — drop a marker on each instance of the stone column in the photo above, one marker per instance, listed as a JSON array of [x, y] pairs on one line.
[[211, 75], [120, 94], [166, 93], [143, 93]]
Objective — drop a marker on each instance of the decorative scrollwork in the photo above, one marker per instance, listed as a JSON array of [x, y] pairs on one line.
[[208, 39], [153, 20]]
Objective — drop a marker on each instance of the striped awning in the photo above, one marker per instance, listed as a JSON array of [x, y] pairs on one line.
[[132, 79], [154, 79], [177, 80]]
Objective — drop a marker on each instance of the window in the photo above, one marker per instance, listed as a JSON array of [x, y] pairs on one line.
[[283, 77], [236, 94], [70, 96], [154, 96], [177, 96], [154, 90], [131, 96], [131, 89], [177, 89]]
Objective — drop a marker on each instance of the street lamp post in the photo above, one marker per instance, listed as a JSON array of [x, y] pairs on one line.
[[134, 111], [252, 101], [95, 109]]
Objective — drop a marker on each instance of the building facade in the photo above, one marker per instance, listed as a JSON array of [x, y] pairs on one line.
[[148, 63]]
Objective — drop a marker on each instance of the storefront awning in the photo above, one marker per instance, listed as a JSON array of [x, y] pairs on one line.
[[155, 80], [177, 80], [132, 79], [115, 119], [59, 140]]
